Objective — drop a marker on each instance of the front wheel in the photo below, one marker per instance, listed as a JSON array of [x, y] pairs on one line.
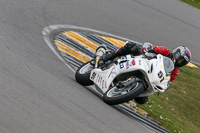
[[82, 75], [117, 95]]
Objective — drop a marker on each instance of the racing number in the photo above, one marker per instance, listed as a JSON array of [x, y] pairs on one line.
[[161, 76], [93, 75], [121, 65]]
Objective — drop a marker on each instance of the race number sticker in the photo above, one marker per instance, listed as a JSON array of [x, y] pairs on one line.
[[161, 76], [122, 65], [93, 75]]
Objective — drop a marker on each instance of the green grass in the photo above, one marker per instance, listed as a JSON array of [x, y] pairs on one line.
[[178, 109], [194, 3]]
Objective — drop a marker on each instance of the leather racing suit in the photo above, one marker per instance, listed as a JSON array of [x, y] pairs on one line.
[[135, 49]]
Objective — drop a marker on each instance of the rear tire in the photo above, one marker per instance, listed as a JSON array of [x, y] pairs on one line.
[[82, 75], [112, 97]]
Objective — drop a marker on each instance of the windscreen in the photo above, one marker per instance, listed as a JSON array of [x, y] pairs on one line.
[[168, 65]]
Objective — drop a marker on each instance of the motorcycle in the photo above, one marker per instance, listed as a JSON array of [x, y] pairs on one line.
[[127, 77]]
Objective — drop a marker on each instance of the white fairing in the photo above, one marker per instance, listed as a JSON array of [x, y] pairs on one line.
[[152, 69]]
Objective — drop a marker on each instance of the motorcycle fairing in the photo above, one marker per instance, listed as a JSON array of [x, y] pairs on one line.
[[153, 71]]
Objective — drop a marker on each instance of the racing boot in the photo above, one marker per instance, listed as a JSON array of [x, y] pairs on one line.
[[100, 51], [141, 100], [102, 48]]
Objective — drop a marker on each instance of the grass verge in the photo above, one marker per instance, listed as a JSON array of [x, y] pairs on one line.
[[178, 109], [194, 3]]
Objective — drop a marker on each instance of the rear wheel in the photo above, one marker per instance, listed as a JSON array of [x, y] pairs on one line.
[[82, 75], [117, 95]]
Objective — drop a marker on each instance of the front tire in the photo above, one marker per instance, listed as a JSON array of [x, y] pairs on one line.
[[82, 75], [120, 95]]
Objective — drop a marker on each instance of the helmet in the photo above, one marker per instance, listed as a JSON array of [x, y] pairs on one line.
[[181, 56]]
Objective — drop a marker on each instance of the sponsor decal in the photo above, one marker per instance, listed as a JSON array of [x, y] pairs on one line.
[[102, 84], [133, 62], [188, 53], [140, 62], [127, 65], [100, 79], [123, 58], [97, 77], [112, 73], [157, 63], [186, 58]]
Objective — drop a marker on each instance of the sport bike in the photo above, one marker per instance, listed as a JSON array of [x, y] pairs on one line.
[[126, 77]]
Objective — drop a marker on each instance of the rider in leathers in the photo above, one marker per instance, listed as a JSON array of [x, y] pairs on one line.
[[181, 56]]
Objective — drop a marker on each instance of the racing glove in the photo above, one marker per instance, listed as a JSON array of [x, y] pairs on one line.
[[146, 54]]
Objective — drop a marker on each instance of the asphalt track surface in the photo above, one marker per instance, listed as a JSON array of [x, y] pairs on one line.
[[37, 91]]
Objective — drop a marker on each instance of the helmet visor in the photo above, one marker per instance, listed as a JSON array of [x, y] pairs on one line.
[[180, 62]]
